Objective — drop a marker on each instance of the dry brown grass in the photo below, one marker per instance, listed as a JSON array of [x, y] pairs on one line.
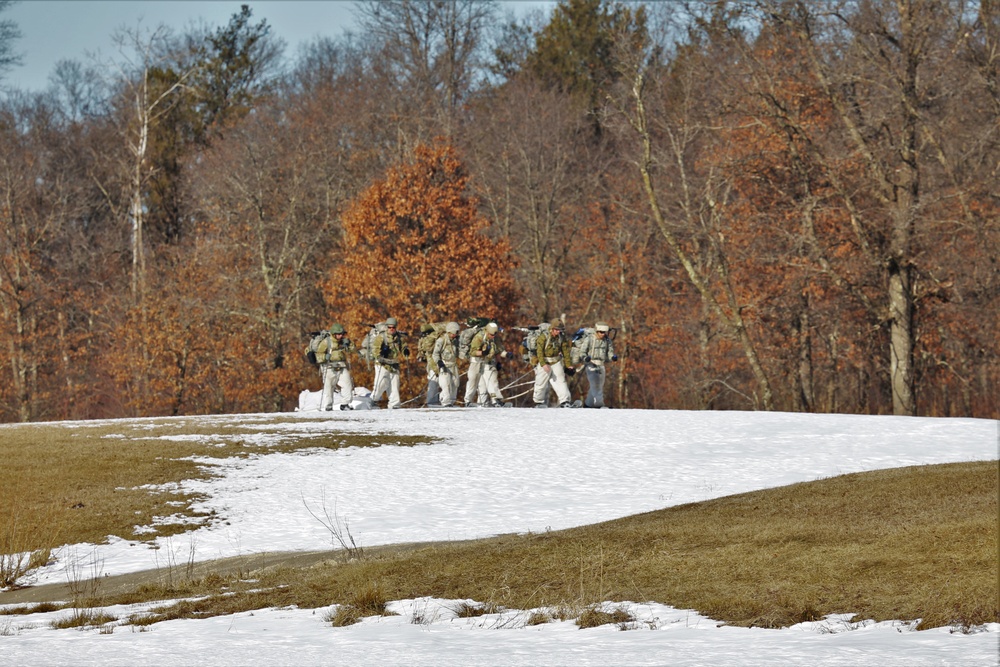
[[897, 544], [75, 483], [81, 618], [594, 616], [907, 543], [474, 609], [368, 601]]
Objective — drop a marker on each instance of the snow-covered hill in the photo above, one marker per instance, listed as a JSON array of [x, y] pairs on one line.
[[501, 471]]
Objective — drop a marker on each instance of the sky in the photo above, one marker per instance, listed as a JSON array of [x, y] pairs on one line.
[[53, 30], [496, 471]]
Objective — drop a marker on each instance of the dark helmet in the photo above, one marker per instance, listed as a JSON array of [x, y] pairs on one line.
[[337, 328]]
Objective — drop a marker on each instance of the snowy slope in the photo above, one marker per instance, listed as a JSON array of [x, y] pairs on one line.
[[501, 471]]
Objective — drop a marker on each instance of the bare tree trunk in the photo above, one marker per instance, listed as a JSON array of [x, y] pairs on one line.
[[135, 208], [18, 378], [833, 377], [805, 397], [624, 368], [705, 395], [68, 386], [901, 341]]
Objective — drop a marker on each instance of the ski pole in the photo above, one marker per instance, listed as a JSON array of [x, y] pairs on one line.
[[412, 399], [515, 380], [523, 384], [523, 393]]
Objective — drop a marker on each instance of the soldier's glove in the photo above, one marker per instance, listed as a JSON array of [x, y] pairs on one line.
[[586, 358], [571, 371], [441, 367], [614, 357]]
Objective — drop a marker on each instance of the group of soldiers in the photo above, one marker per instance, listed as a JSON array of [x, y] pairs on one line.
[[550, 356]]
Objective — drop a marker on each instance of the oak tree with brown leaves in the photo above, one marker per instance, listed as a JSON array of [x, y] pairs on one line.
[[415, 247]]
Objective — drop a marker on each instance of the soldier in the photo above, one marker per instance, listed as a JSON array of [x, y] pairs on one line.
[[428, 339], [596, 351], [445, 358], [484, 353], [334, 369], [391, 350], [553, 352]]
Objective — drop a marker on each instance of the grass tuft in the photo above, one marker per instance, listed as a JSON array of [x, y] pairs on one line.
[[594, 616], [538, 618], [40, 608], [368, 601], [84, 618], [344, 615], [474, 610]]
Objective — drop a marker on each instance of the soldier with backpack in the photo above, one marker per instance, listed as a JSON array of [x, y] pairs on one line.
[[429, 334], [390, 350], [552, 349], [444, 356], [484, 354], [329, 350], [595, 348], [529, 352]]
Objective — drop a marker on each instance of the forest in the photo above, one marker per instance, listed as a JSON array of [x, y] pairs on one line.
[[777, 204]]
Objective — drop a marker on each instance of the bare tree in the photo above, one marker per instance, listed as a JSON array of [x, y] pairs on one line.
[[41, 268], [433, 49], [77, 90], [144, 99], [9, 33], [536, 170]]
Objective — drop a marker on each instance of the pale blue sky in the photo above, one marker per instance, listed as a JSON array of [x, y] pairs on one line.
[[53, 30]]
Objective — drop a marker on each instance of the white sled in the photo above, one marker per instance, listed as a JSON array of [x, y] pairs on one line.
[[311, 401]]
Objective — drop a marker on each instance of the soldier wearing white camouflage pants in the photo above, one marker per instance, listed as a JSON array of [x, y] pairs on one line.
[[553, 352], [334, 369], [597, 351], [484, 352], [428, 339], [391, 350], [445, 357]]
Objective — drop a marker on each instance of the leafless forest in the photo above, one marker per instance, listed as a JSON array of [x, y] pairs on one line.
[[778, 204]]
